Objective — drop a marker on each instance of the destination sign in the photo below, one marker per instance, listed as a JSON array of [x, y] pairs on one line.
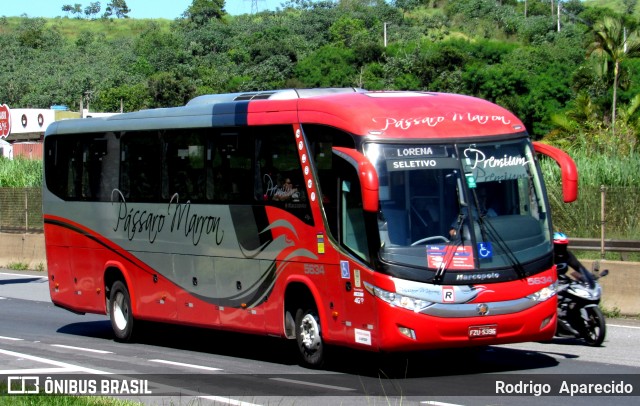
[[423, 151], [421, 163], [411, 157]]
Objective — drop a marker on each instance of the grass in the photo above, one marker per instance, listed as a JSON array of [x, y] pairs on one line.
[[582, 218], [109, 29], [58, 400], [616, 5], [608, 255], [611, 313], [18, 266], [20, 172], [73, 28], [55, 400]]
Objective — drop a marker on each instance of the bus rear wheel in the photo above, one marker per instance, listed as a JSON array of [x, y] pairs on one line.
[[120, 313], [309, 338]]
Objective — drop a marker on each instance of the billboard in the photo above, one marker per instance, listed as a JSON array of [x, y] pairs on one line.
[[5, 121]]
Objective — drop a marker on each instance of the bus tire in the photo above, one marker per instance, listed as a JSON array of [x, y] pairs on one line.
[[311, 348], [122, 321]]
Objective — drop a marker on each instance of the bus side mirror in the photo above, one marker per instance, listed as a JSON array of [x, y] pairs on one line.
[[367, 175], [568, 169]]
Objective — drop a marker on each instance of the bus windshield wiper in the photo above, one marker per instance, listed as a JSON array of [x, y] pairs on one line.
[[450, 249]]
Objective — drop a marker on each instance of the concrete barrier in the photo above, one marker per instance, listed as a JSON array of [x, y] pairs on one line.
[[620, 288], [23, 249]]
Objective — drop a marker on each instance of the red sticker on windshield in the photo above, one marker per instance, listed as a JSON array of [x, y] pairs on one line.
[[455, 258]]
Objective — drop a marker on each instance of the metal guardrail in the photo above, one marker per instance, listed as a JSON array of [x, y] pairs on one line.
[[21, 211], [595, 244]]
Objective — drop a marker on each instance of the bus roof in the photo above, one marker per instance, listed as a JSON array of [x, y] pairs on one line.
[[384, 114]]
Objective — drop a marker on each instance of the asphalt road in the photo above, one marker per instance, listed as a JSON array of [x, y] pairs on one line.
[[181, 365]]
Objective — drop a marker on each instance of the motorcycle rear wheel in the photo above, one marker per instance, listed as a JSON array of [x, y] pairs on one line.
[[594, 327]]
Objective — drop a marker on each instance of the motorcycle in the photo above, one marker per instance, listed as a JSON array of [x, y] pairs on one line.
[[579, 294]]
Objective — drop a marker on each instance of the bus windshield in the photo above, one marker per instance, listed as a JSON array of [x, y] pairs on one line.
[[460, 206]]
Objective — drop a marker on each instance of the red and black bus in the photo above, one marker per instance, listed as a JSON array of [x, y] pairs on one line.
[[374, 220]]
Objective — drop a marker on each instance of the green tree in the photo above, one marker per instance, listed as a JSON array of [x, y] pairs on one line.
[[408, 4], [76, 9], [118, 8], [67, 8], [629, 6], [200, 12], [330, 66], [159, 50], [616, 45], [170, 89], [348, 31], [92, 9], [33, 33], [126, 97]]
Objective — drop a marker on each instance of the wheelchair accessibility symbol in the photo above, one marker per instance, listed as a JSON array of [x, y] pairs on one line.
[[485, 250]]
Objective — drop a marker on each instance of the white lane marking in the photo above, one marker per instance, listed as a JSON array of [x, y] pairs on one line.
[[36, 371], [24, 275], [227, 401], [11, 338], [81, 349], [618, 325], [319, 385], [180, 364], [68, 367], [436, 403]]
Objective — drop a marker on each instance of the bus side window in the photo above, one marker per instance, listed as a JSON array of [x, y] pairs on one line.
[[185, 166], [141, 166], [74, 172], [282, 175], [321, 140], [212, 172], [94, 157], [354, 234], [279, 179], [108, 169]]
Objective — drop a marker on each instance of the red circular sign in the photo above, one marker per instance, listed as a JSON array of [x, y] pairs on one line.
[[5, 121]]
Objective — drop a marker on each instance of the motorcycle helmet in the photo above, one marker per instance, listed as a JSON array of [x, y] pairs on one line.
[[560, 238], [560, 247]]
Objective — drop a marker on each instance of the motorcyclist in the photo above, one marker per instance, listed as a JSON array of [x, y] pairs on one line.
[[562, 255], [578, 296]]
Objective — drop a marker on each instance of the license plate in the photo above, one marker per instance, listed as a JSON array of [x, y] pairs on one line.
[[490, 330]]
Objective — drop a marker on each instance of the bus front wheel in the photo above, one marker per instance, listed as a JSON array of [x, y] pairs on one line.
[[309, 337], [120, 312]]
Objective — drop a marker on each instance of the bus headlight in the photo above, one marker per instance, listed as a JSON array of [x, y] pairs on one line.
[[395, 299], [545, 293]]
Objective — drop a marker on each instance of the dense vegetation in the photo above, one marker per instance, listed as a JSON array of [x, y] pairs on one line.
[[575, 83], [485, 48], [20, 172]]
